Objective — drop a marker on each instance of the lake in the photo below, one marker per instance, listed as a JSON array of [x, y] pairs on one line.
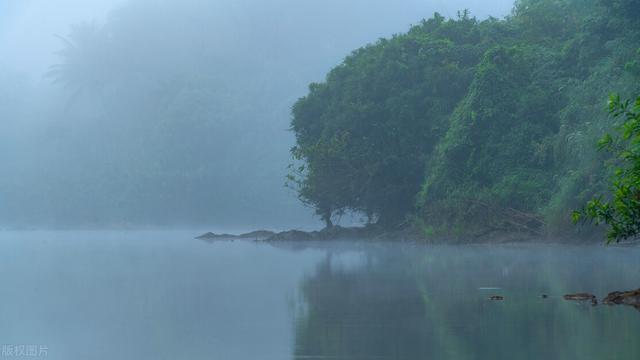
[[164, 295]]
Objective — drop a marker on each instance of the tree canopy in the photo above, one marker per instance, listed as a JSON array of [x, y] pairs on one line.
[[467, 127]]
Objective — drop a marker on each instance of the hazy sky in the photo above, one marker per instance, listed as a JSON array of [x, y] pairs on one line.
[[228, 71], [27, 27]]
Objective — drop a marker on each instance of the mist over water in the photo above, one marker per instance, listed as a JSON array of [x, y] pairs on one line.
[[128, 127], [150, 294], [170, 113]]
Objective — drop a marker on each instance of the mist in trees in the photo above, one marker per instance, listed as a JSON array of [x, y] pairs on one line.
[[149, 113]]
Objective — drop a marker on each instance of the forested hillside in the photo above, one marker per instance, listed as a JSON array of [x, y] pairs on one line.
[[468, 128]]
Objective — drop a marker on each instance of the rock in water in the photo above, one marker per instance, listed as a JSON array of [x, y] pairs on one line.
[[582, 297], [254, 235], [208, 235], [257, 235], [496, 298], [294, 235], [631, 298]]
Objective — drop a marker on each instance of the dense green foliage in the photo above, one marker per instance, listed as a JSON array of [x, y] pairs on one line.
[[622, 213], [365, 147], [468, 127]]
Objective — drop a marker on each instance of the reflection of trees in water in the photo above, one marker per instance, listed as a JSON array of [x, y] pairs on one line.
[[359, 312], [426, 303]]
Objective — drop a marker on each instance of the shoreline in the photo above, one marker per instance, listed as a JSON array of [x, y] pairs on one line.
[[375, 233]]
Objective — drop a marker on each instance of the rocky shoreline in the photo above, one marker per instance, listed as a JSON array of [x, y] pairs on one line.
[[331, 233], [376, 232], [628, 298]]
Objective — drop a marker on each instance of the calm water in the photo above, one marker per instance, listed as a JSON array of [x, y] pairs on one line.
[[163, 295]]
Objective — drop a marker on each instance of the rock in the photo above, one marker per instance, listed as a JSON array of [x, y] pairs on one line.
[[294, 235], [631, 298], [544, 296], [330, 233], [496, 298], [210, 237], [257, 235], [582, 297], [254, 235]]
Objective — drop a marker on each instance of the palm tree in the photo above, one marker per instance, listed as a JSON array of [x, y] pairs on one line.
[[87, 63]]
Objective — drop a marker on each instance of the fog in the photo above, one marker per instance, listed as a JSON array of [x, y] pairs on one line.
[[170, 113], [153, 295]]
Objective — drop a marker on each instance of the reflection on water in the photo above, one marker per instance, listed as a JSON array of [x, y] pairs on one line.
[[163, 295], [148, 295], [416, 302]]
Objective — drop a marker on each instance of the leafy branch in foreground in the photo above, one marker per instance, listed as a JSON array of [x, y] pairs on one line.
[[622, 212]]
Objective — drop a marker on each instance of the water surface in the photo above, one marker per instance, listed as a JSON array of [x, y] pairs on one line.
[[163, 295]]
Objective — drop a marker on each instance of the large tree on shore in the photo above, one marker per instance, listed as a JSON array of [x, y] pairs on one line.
[[365, 133]]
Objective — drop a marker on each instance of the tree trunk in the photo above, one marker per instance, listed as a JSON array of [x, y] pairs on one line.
[[326, 216]]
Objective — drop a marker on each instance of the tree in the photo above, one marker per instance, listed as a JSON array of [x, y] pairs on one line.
[[621, 211], [471, 128], [365, 133], [86, 61]]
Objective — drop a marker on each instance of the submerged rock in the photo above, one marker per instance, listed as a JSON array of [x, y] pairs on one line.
[[582, 297], [497, 298], [631, 298]]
